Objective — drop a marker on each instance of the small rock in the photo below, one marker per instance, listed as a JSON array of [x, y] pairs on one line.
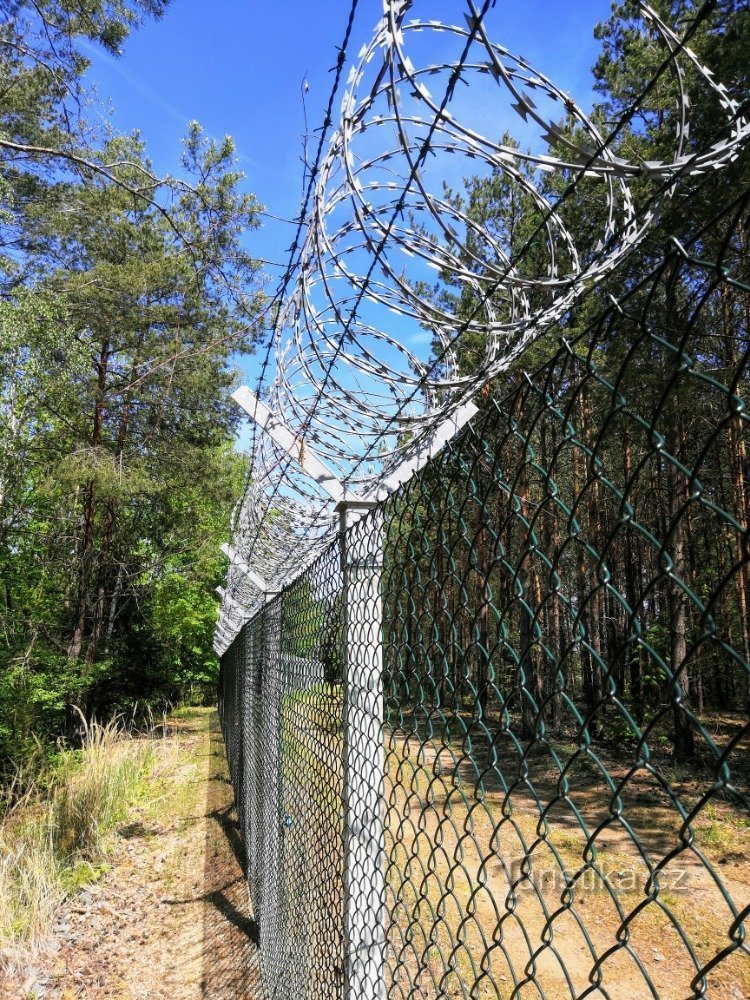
[[658, 957]]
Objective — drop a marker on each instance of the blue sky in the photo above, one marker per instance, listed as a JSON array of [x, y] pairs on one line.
[[238, 67]]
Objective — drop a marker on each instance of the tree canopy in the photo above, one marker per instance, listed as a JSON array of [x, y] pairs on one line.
[[606, 437], [123, 299]]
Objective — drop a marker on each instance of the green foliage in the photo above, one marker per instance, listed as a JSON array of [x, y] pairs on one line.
[[55, 839], [568, 470], [126, 297]]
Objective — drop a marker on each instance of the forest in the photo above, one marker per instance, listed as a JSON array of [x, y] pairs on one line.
[[491, 738], [124, 297], [580, 556]]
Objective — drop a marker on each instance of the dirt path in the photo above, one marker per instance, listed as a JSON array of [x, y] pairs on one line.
[[171, 918]]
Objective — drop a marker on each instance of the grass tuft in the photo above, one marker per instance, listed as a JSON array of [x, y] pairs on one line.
[[54, 839]]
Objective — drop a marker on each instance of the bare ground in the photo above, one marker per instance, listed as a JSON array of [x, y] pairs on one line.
[[475, 885], [171, 918]]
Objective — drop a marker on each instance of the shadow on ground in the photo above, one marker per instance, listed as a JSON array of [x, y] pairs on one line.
[[230, 934]]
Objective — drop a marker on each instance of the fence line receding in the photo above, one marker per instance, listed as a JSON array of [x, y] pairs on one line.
[[485, 682]]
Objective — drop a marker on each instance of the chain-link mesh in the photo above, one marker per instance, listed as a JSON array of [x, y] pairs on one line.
[[494, 743], [284, 670]]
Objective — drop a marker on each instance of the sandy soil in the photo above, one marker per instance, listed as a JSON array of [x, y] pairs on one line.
[[171, 918], [469, 924]]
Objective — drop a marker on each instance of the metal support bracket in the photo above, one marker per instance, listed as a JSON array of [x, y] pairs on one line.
[[236, 559], [295, 446], [423, 449]]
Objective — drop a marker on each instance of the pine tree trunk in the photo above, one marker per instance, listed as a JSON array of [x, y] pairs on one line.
[[552, 546], [85, 568], [529, 653], [683, 736], [737, 471], [482, 570], [631, 593]]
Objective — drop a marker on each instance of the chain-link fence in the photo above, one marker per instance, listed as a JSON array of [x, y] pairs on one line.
[[494, 742]]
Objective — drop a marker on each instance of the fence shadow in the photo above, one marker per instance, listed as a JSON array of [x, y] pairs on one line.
[[230, 933]]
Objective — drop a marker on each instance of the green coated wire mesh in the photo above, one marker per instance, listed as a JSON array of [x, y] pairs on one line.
[[554, 756]]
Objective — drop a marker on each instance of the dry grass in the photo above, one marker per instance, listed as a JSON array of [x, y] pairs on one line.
[[54, 838], [170, 919]]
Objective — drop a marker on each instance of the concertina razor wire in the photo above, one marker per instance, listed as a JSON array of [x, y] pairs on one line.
[[466, 707], [380, 226]]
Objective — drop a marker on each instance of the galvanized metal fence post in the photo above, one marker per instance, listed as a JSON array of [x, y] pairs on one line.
[[364, 832], [245, 814], [271, 931], [254, 845]]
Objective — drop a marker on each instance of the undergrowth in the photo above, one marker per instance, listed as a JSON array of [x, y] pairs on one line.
[[54, 838]]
